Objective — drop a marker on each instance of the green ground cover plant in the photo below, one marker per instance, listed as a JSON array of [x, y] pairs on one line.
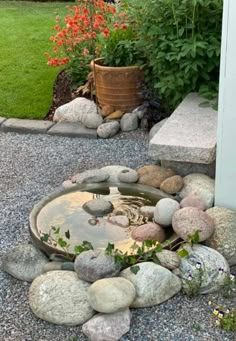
[[26, 80]]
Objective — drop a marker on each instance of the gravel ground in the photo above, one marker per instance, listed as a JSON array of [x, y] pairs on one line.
[[32, 166]]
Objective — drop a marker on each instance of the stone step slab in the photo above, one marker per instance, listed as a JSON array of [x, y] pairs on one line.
[[72, 130], [189, 135], [26, 126]]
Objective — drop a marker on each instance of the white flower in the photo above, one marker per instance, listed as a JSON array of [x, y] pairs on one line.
[[217, 322], [232, 278], [189, 278]]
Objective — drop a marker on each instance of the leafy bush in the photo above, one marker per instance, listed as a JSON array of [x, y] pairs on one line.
[[181, 40]]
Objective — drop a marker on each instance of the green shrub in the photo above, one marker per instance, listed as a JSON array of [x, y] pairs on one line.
[[181, 40]]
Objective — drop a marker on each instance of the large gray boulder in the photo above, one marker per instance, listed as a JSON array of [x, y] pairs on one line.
[[24, 262], [224, 237], [60, 297], [79, 110], [154, 284], [203, 268], [201, 185], [110, 295], [108, 327], [94, 264]]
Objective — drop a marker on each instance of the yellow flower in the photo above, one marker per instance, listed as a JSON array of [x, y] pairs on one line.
[[216, 312], [220, 315]]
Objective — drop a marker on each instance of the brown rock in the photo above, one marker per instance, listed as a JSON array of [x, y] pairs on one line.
[[193, 200], [172, 185], [149, 231], [107, 109], [152, 175], [115, 115], [188, 220]]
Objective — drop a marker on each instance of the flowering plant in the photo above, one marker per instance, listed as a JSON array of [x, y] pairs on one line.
[[93, 28]]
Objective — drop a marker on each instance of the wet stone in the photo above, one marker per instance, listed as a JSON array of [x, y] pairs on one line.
[[98, 207]]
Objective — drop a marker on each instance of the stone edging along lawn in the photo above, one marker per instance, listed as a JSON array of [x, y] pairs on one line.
[[46, 127]]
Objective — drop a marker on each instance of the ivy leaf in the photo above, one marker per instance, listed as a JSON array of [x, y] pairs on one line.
[[194, 239], [62, 242], [158, 248], [135, 269], [87, 245], [132, 260], [78, 249], [110, 247], [149, 243], [134, 246], [45, 237], [182, 253], [67, 234]]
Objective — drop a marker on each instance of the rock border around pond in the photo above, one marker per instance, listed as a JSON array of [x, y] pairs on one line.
[[95, 285]]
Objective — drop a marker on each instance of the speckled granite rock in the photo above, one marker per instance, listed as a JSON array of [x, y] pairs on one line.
[[24, 262], [108, 327], [224, 237], [60, 297], [154, 284]]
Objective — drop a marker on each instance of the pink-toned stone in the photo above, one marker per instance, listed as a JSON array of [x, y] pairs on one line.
[[153, 175], [172, 185], [188, 220], [149, 231], [193, 200]]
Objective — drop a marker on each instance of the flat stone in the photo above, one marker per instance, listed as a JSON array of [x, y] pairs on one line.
[[147, 211], [108, 327], [91, 176], [156, 128], [2, 119], [114, 171], [189, 135], [128, 176], [26, 126], [72, 130], [186, 168]]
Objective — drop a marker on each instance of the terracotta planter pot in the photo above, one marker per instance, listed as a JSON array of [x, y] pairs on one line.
[[118, 86]]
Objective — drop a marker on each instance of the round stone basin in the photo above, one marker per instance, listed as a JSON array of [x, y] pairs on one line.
[[64, 210]]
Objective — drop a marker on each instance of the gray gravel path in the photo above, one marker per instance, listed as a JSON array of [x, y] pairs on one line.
[[32, 166]]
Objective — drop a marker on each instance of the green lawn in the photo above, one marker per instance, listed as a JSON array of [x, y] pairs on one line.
[[26, 81]]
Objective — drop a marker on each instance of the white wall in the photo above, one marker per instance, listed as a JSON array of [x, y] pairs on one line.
[[226, 139]]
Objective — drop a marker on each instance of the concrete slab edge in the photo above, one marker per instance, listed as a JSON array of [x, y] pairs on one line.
[[18, 127]]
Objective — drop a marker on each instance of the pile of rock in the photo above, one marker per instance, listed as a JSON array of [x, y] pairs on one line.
[[106, 120], [96, 292]]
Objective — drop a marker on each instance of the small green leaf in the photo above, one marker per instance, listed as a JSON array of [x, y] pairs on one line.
[[158, 248], [135, 269], [110, 247], [182, 253], [45, 237], [67, 234], [62, 242]]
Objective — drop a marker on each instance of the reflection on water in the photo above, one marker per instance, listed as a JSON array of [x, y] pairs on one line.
[[66, 212]]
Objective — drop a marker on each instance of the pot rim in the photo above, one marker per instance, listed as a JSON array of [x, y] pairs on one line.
[[96, 61]]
